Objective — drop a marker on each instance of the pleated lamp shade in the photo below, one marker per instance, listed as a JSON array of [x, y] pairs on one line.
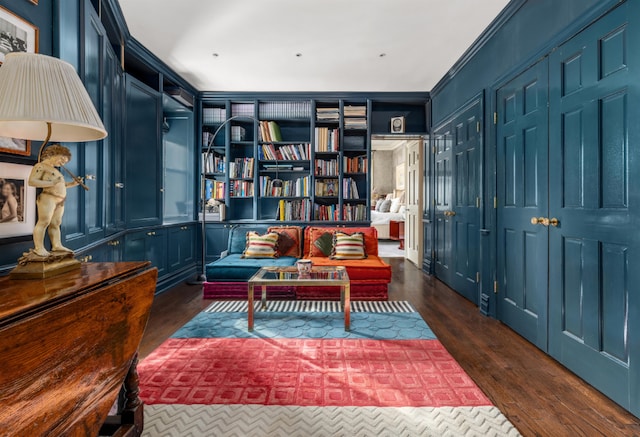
[[37, 90]]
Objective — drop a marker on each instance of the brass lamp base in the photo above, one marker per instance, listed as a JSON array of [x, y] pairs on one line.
[[32, 266]]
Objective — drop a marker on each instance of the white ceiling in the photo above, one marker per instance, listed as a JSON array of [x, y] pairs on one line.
[[339, 41]]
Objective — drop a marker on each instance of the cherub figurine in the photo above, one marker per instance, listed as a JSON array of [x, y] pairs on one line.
[[50, 201]]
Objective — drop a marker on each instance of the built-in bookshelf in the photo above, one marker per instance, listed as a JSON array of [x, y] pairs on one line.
[[289, 160]]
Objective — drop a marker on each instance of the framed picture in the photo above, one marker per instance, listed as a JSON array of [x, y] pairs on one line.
[[16, 34], [17, 201], [15, 146]]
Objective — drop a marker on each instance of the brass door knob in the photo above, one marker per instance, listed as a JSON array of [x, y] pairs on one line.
[[545, 221], [449, 213], [554, 222], [537, 220]]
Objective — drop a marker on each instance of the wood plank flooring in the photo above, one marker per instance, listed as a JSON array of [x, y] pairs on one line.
[[538, 395]]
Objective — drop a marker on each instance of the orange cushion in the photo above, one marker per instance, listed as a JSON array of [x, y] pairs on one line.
[[295, 233], [369, 269], [311, 233]]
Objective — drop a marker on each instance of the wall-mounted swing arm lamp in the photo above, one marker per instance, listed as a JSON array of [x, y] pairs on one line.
[[202, 277]]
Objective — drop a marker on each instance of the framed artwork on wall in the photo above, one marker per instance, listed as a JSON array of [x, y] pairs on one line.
[[17, 201], [16, 35]]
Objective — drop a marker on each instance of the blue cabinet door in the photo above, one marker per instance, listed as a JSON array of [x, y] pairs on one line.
[[465, 200], [456, 169], [443, 149], [594, 177], [522, 186], [143, 155]]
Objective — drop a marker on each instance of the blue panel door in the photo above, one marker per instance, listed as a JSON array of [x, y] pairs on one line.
[[465, 190], [443, 151], [594, 179], [522, 185]]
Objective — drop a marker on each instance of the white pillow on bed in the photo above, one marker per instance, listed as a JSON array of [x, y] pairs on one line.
[[395, 205], [403, 210]]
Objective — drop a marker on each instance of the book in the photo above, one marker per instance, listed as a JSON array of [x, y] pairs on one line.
[[274, 131]]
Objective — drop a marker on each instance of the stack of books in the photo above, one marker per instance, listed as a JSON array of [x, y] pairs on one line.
[[328, 114], [355, 117], [327, 140], [241, 168], [287, 152], [238, 133], [326, 168], [327, 188], [270, 131]]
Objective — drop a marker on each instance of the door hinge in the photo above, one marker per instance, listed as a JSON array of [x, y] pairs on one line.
[[477, 277], [477, 202], [495, 287], [495, 202], [433, 150], [478, 126], [495, 118], [433, 254]]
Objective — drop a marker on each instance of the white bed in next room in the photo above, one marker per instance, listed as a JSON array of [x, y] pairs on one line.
[[391, 208]]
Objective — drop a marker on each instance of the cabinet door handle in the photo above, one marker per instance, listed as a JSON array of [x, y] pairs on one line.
[[554, 222], [151, 234], [119, 185], [537, 220]]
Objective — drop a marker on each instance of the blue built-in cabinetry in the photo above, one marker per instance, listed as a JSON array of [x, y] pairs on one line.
[[554, 88]]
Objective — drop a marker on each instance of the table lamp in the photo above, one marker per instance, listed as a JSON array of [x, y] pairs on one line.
[[43, 99]]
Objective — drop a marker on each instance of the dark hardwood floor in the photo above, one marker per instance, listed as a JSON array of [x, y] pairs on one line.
[[538, 395]]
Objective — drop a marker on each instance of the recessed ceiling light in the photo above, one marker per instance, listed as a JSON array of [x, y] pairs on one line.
[[382, 55], [215, 55], [298, 55]]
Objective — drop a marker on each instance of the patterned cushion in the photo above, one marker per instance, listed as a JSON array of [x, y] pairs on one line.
[[289, 240], [347, 246], [261, 246], [379, 203], [324, 244]]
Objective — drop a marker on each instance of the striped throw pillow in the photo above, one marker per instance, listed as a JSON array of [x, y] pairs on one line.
[[261, 246], [347, 246]]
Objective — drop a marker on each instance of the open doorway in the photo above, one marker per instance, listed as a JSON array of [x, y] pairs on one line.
[[390, 181]]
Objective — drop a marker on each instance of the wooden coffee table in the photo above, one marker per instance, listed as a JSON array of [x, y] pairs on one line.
[[319, 276]]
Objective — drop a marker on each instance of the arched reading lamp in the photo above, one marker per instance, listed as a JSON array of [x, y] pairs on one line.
[[43, 99], [202, 278]]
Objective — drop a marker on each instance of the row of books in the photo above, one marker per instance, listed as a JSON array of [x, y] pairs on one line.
[[242, 110], [328, 114], [349, 189], [214, 189], [357, 164], [327, 188], [354, 212], [326, 168], [270, 131], [288, 188], [213, 163], [327, 140], [207, 137], [326, 212], [241, 189], [300, 110], [333, 212], [214, 115], [287, 152], [241, 168], [299, 210]]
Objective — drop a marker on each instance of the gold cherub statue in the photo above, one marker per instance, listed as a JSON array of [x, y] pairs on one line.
[[39, 262]]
